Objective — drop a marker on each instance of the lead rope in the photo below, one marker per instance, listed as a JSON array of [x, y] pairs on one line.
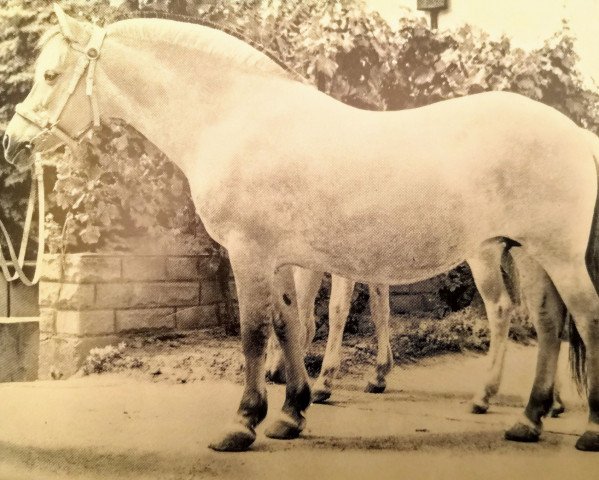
[[18, 262]]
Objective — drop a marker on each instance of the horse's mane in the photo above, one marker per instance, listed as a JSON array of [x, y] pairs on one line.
[[214, 39]]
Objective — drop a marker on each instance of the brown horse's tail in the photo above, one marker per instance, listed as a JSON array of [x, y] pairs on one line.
[[578, 353], [577, 347]]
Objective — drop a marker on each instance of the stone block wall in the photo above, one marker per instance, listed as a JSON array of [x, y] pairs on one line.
[[90, 300], [421, 297]]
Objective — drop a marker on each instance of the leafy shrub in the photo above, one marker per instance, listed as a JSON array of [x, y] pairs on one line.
[[109, 359]]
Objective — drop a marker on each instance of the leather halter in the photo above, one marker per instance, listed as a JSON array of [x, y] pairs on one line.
[[47, 122]]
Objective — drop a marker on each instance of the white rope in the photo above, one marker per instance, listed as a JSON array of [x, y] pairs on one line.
[[37, 180]]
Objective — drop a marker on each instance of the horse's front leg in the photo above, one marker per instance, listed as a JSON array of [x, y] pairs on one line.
[[339, 305], [379, 312], [255, 308], [286, 325]]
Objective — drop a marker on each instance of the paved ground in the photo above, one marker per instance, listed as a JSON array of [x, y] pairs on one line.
[[118, 427]]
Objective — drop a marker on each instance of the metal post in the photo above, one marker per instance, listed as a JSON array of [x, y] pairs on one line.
[[434, 19], [433, 7]]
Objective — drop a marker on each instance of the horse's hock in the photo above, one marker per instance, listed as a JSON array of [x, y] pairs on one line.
[[91, 300]]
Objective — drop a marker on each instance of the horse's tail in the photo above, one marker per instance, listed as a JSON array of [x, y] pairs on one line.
[[578, 352], [577, 347]]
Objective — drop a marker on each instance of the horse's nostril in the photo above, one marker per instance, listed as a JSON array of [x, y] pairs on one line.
[[5, 142]]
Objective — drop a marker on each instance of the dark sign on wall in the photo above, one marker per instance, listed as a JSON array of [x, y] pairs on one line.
[[431, 4]]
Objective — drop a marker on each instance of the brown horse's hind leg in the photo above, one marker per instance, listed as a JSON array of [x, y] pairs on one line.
[[572, 280], [255, 307], [379, 312], [547, 313], [486, 270], [286, 325]]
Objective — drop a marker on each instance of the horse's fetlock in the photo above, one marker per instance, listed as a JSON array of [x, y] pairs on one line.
[[253, 408], [298, 400]]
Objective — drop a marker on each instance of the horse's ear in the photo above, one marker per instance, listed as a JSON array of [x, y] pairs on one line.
[[72, 29]]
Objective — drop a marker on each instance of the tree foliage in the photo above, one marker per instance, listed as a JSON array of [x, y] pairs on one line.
[[126, 188]]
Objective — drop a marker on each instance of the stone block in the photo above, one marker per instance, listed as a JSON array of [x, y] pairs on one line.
[[51, 267], [199, 316], [182, 268], [67, 296], [47, 320], [210, 293], [233, 290], [48, 293], [144, 319], [148, 295], [19, 347], [406, 303], [208, 266], [426, 286], [82, 268], [76, 296], [60, 356], [85, 323], [144, 268]]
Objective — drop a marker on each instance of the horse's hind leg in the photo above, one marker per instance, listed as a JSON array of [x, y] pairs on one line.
[[307, 284], [255, 307], [339, 305], [558, 406], [379, 312], [486, 271], [286, 325], [572, 280], [547, 313]]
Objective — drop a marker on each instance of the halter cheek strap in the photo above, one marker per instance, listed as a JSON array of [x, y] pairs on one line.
[[48, 123]]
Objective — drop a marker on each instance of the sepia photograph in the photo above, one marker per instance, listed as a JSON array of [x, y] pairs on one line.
[[299, 239]]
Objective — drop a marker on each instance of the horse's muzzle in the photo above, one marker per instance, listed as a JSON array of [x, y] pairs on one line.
[[13, 151]]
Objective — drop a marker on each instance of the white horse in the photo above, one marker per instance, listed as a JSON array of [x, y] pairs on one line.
[[534, 291], [252, 144]]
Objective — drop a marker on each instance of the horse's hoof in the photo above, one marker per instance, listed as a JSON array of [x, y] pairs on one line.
[[237, 439], [557, 410], [320, 396], [588, 442], [284, 429], [522, 432], [276, 376], [374, 388], [479, 409]]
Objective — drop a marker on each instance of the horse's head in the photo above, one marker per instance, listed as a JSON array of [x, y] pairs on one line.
[[61, 105]]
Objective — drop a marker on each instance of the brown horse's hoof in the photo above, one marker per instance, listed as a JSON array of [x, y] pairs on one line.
[[557, 410], [374, 388], [276, 376], [284, 429], [588, 442], [237, 439], [320, 396], [523, 432], [479, 409]]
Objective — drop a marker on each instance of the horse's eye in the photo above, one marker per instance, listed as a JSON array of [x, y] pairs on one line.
[[50, 76]]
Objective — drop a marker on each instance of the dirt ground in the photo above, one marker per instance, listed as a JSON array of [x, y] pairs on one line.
[[154, 422]]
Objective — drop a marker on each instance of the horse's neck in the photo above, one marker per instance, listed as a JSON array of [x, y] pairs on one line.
[[169, 94]]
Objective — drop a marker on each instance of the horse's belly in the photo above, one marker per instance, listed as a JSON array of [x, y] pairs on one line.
[[382, 248]]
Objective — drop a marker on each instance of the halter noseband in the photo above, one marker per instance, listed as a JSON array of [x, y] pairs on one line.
[[49, 123]]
